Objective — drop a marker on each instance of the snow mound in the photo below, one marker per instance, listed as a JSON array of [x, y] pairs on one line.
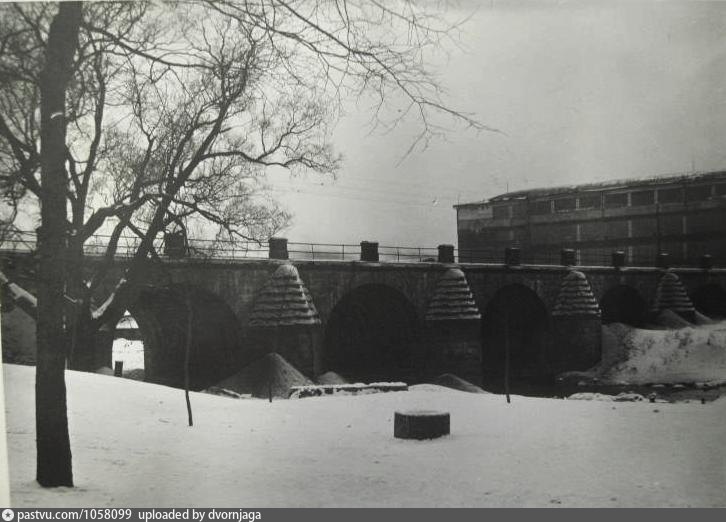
[[620, 397], [628, 397], [331, 378], [701, 319], [359, 388], [670, 319], [432, 388], [450, 380], [590, 397], [613, 343], [270, 374], [685, 355], [224, 392]]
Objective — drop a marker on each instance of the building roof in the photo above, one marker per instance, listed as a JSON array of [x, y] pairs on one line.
[[602, 185]]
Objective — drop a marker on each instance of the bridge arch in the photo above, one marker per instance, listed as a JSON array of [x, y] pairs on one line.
[[372, 334], [517, 317], [162, 317], [710, 300], [623, 304]]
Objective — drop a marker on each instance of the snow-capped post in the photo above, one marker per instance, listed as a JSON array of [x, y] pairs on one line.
[[446, 254], [421, 424], [278, 248], [662, 260], [512, 256], [567, 257], [369, 251], [618, 259]]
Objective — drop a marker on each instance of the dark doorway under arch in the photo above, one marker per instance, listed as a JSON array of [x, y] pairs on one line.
[[517, 313], [371, 336], [710, 300], [623, 304], [162, 317]]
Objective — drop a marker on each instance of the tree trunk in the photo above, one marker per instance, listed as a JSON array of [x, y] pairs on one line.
[[506, 355], [81, 339], [188, 351], [80, 328], [54, 467]]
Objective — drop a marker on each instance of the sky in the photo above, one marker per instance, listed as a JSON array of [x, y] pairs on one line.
[[581, 91]]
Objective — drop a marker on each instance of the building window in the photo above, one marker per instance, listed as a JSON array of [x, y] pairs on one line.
[[501, 212], [698, 193], [721, 189], [565, 204], [670, 195], [540, 207], [590, 201], [616, 200], [642, 197]]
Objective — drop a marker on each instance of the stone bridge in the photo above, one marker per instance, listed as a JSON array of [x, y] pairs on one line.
[[374, 321]]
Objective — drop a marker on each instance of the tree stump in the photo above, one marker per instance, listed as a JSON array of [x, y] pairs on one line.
[[420, 424]]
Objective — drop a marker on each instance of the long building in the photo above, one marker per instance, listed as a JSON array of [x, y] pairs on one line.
[[683, 216]]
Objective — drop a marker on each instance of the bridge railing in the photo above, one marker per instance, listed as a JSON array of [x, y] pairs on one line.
[[231, 250], [352, 252], [223, 249]]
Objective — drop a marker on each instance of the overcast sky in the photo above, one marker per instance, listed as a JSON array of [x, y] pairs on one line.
[[582, 91]]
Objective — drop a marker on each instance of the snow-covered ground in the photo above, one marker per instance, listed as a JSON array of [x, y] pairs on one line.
[[131, 352], [690, 354], [132, 447]]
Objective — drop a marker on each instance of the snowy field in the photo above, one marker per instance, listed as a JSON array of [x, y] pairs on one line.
[[132, 448], [130, 352]]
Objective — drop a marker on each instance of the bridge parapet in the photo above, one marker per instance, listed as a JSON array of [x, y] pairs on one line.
[[369, 251]]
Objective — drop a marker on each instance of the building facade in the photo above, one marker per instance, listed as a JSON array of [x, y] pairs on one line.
[[683, 216]]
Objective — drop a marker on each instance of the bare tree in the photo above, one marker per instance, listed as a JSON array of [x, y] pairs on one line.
[[174, 111], [53, 444]]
